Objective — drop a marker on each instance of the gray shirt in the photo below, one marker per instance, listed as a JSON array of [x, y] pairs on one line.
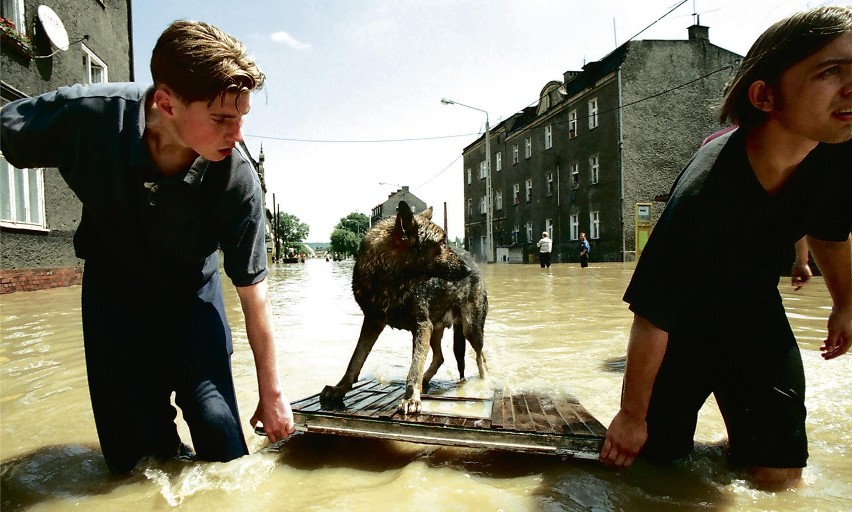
[[162, 231]]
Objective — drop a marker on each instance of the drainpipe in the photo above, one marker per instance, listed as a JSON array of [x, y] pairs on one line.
[[558, 202], [130, 39], [621, 167], [558, 209]]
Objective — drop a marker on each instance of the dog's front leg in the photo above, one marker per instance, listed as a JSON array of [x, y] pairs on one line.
[[370, 330], [411, 403]]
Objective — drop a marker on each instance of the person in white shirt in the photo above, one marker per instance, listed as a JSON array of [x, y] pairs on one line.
[[545, 245]]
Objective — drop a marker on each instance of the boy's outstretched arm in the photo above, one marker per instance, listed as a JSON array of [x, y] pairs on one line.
[[628, 431], [834, 260], [273, 410]]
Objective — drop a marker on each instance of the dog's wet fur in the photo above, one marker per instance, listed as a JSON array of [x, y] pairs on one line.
[[408, 277]]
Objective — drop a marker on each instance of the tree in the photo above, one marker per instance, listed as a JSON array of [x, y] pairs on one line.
[[344, 242], [348, 233], [290, 230], [355, 222]]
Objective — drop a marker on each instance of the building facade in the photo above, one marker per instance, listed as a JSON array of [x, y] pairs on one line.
[[389, 206], [599, 150], [38, 212]]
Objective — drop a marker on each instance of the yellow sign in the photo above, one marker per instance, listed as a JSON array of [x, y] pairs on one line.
[[643, 226]]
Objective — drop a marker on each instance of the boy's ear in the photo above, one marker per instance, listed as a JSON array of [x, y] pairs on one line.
[[165, 100], [762, 96]]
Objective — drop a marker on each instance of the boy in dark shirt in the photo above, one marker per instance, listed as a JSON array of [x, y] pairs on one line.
[[708, 315], [163, 190]]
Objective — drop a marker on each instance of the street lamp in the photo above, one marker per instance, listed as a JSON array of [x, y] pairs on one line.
[[489, 211]]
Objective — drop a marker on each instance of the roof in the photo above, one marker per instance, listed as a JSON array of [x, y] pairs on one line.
[[594, 71], [591, 74]]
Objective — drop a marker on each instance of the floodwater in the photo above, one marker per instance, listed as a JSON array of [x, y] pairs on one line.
[[551, 331]]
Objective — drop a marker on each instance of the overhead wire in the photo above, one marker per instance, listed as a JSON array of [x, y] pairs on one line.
[[479, 134], [558, 123], [360, 141]]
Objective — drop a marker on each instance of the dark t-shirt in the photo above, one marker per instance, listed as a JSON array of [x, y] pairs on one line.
[[722, 241], [161, 231]]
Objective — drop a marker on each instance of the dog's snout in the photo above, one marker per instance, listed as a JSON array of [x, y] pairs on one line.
[[460, 271]]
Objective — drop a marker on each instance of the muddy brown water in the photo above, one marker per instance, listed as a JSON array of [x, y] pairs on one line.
[[552, 331]]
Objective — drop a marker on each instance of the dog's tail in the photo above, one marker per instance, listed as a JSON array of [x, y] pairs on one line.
[[459, 347]]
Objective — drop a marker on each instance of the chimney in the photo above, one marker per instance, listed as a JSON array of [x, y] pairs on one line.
[[570, 75], [699, 33]]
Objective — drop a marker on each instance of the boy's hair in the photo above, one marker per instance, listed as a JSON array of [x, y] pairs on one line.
[[199, 62], [781, 46]]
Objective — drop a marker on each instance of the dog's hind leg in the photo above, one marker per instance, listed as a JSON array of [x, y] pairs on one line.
[[474, 335], [459, 347], [437, 355], [370, 330]]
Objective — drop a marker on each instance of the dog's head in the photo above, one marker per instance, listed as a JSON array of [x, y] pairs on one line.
[[425, 245]]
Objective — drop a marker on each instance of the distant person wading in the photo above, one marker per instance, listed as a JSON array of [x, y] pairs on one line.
[[545, 246], [585, 249]]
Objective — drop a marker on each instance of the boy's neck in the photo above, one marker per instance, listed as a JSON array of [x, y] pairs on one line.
[[169, 155], [775, 154]]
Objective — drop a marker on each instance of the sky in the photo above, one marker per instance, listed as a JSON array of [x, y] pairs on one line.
[[351, 110]]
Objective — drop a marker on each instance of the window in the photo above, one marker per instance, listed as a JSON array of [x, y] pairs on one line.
[[514, 153], [498, 200], [527, 147], [575, 226], [96, 69], [548, 226], [483, 171], [469, 175], [593, 113], [516, 193], [21, 196], [515, 234], [529, 190], [13, 10], [572, 124], [549, 177], [594, 166], [545, 102], [470, 207], [529, 232], [574, 168], [499, 161], [594, 225], [482, 208], [548, 137]]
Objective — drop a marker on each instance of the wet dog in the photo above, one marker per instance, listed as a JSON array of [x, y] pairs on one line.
[[407, 276]]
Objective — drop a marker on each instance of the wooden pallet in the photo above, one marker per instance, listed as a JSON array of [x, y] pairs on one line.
[[523, 422]]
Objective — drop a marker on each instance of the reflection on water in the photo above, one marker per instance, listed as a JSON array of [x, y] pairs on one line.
[[554, 331]]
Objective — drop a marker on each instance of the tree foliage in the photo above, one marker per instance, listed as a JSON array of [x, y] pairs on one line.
[[355, 222], [291, 231], [348, 233], [344, 242]]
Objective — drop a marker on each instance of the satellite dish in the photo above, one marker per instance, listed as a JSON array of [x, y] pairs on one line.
[[53, 27]]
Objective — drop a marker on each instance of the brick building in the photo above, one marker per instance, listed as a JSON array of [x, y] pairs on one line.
[[38, 212], [600, 149]]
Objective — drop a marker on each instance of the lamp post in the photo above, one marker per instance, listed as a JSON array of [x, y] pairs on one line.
[[489, 211]]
